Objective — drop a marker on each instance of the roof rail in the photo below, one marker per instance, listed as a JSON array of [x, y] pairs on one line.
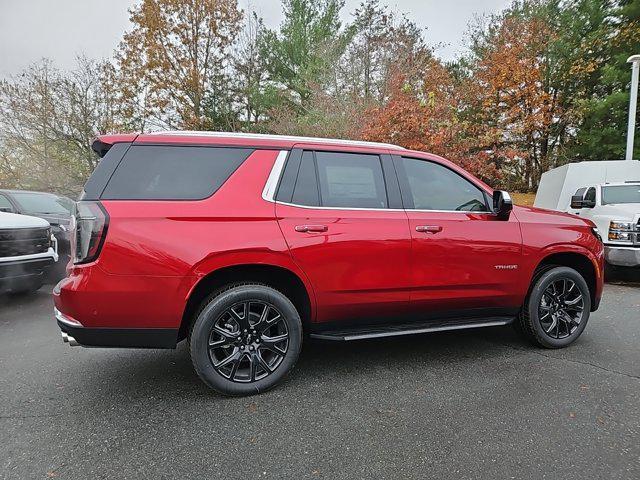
[[260, 136]]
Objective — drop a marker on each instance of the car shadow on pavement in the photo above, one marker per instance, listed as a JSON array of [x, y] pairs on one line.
[[143, 373]]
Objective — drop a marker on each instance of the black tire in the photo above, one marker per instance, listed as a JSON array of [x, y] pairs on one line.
[[543, 306], [26, 287], [221, 321]]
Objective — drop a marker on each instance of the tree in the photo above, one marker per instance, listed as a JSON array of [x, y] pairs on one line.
[[424, 116], [48, 121], [511, 98], [382, 45], [173, 62], [603, 110], [302, 52], [255, 95]]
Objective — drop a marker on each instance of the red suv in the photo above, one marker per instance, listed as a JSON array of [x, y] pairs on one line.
[[245, 244]]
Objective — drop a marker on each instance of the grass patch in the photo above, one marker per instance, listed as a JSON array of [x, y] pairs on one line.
[[524, 199]]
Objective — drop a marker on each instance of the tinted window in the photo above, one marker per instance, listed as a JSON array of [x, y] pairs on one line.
[[39, 203], [5, 205], [432, 186], [100, 176], [306, 187], [150, 172], [351, 180]]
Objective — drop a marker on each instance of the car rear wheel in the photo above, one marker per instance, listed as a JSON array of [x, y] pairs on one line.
[[245, 339], [557, 308]]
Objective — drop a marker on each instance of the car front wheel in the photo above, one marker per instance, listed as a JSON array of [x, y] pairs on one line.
[[557, 308], [245, 339]]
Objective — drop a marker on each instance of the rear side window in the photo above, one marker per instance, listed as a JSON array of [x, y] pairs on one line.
[[351, 180], [155, 172]]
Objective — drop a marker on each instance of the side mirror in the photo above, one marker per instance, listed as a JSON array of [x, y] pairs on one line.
[[588, 203], [576, 202], [502, 204]]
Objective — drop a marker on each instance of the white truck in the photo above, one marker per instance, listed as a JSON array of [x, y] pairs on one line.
[[27, 249], [615, 209], [605, 192]]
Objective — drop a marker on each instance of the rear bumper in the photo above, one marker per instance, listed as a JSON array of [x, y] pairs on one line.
[[622, 256], [76, 334]]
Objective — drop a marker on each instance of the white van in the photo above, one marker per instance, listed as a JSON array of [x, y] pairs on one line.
[[27, 248]]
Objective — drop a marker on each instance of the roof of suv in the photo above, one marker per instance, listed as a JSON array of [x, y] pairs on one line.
[[228, 138]]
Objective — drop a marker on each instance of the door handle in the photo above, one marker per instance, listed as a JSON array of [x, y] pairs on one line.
[[311, 228], [428, 229]]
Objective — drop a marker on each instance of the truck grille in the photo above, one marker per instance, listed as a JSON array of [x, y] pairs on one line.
[[24, 241]]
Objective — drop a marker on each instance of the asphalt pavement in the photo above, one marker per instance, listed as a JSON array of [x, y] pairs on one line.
[[474, 404]]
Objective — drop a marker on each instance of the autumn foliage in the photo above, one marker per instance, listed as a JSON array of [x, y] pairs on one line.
[[425, 115]]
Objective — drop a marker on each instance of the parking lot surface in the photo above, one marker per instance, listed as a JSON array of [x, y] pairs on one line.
[[476, 404]]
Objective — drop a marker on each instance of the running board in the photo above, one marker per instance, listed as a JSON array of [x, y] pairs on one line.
[[398, 330]]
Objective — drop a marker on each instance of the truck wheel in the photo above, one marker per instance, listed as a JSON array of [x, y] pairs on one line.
[[27, 287], [245, 339], [556, 311]]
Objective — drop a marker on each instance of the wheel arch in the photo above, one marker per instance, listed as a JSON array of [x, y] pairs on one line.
[[278, 277], [576, 259]]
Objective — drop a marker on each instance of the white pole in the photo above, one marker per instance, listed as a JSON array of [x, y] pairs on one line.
[[633, 100]]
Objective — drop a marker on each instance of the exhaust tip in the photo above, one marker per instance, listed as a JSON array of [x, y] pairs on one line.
[[66, 338]]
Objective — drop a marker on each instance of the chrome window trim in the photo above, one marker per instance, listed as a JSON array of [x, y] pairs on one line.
[[271, 185], [269, 190], [382, 209]]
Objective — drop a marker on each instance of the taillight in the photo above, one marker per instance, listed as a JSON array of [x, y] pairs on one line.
[[91, 222]]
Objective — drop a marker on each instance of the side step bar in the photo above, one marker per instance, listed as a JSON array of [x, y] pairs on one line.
[[395, 331]]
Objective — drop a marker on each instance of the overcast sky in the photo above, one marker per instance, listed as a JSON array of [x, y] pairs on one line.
[[60, 29]]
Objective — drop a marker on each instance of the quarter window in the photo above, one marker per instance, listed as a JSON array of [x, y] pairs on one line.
[[351, 180], [154, 172], [431, 186]]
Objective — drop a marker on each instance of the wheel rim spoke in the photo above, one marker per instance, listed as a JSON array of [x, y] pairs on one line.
[[227, 336], [554, 322], [233, 358], [262, 363], [240, 313], [574, 301], [272, 343]]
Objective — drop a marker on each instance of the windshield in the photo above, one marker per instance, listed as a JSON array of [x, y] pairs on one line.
[[42, 203], [621, 194]]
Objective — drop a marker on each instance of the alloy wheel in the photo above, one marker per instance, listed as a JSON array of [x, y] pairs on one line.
[[561, 308], [248, 341]]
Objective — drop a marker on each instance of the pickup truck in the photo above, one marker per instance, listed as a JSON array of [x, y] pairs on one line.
[[27, 248], [615, 209]]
